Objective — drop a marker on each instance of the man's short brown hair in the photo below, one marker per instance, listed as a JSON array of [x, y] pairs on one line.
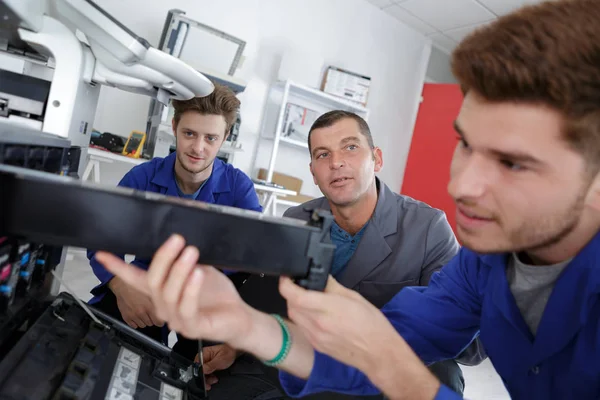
[[222, 101], [547, 54], [332, 117]]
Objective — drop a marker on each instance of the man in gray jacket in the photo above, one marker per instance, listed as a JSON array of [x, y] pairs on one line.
[[384, 241]]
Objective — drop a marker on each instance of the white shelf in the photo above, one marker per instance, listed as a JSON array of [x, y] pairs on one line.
[[294, 142], [288, 203], [333, 101], [288, 141], [228, 149], [270, 189]]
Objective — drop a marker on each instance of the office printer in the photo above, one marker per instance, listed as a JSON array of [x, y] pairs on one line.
[[54, 54]]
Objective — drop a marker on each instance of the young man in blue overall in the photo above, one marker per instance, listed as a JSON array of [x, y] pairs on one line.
[[525, 177], [200, 125]]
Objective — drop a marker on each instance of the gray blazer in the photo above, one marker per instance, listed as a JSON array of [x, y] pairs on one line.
[[405, 242]]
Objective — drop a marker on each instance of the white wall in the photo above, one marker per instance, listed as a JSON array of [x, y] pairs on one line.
[[350, 34]]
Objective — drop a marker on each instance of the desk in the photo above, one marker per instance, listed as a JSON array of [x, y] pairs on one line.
[[96, 156], [269, 195]]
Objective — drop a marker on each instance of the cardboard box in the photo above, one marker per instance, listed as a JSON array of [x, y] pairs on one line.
[[299, 198], [287, 181]]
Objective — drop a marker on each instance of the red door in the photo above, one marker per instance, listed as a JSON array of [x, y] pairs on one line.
[[428, 164]]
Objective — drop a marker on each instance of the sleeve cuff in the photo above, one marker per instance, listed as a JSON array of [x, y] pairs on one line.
[[328, 375], [103, 276], [445, 393], [296, 387], [293, 386], [100, 289]]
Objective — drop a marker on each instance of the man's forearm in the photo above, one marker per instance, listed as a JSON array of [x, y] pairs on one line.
[[391, 366], [397, 371], [265, 340]]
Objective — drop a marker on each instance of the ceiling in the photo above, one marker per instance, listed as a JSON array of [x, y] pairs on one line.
[[447, 22]]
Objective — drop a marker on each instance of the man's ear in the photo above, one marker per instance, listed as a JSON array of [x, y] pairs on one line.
[[378, 158], [593, 195], [174, 125], [312, 173]]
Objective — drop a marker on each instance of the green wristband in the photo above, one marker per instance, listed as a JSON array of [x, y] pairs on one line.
[[286, 345]]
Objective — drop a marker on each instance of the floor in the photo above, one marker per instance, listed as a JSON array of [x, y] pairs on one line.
[[482, 381]]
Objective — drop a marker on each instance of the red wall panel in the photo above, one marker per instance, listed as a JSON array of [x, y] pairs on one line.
[[428, 165]]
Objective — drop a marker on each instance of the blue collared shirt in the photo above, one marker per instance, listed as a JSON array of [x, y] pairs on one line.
[[471, 295], [345, 246], [192, 196], [226, 186]]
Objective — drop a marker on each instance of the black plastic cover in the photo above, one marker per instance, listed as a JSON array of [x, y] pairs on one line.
[[61, 211]]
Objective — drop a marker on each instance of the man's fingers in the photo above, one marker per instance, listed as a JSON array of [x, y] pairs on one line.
[[208, 353], [212, 379], [155, 320], [138, 322], [333, 286], [145, 316], [289, 290], [208, 356], [190, 299], [178, 276], [131, 323], [208, 368], [130, 274], [161, 263], [300, 297]]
